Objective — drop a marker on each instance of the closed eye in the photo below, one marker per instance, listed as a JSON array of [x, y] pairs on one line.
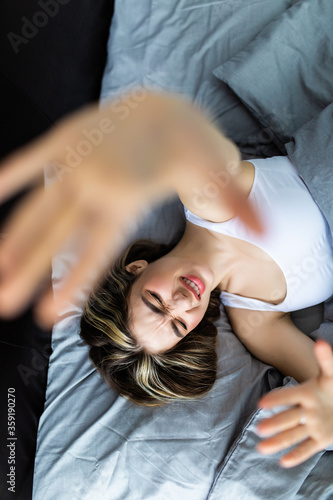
[[156, 297], [159, 300], [182, 324], [159, 311]]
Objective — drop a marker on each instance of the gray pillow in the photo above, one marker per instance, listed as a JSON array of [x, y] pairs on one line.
[[311, 151], [285, 76], [175, 46]]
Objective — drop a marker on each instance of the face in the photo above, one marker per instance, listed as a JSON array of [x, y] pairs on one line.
[[168, 299]]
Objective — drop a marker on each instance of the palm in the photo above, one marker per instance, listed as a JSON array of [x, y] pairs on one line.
[[312, 400]]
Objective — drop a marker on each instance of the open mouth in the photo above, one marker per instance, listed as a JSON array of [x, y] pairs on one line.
[[191, 286]]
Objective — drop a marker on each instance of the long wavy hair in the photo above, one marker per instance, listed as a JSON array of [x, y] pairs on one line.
[[186, 371]]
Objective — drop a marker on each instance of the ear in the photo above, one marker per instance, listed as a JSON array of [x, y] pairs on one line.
[[136, 267]]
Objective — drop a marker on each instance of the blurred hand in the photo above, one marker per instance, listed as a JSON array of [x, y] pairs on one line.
[[309, 422], [96, 192], [110, 163]]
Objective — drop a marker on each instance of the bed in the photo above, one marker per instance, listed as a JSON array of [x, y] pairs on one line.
[[263, 71]]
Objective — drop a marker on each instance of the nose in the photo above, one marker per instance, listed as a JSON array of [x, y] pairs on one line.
[[180, 301]]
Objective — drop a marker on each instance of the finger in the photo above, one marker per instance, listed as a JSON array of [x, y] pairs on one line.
[[285, 396], [324, 355], [236, 200], [26, 223], [279, 423], [17, 289], [298, 455], [25, 165], [283, 440], [99, 252], [243, 208]]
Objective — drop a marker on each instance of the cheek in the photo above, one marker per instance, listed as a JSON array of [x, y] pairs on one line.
[[158, 282], [200, 313], [195, 319]]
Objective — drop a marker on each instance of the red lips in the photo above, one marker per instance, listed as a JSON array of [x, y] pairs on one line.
[[197, 281]]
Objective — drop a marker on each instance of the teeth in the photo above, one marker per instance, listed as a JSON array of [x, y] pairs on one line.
[[193, 285]]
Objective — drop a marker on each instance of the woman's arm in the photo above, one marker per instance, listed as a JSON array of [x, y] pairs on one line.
[[273, 338], [110, 163], [308, 422], [180, 146]]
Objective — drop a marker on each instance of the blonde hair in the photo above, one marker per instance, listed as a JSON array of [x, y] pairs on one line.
[[186, 371]]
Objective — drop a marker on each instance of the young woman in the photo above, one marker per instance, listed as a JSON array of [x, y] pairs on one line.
[[252, 233]]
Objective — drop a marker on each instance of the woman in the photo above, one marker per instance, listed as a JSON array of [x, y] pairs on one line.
[[226, 246]]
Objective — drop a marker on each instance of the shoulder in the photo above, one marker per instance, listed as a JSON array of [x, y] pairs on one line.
[[208, 200], [247, 323]]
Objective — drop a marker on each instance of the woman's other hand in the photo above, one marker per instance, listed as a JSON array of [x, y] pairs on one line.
[[309, 422]]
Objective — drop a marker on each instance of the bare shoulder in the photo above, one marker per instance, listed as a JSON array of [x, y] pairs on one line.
[[248, 322], [208, 200]]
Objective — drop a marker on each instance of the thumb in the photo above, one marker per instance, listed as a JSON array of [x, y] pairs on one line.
[[324, 355]]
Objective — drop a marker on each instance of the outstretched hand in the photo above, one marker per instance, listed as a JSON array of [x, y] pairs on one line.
[[95, 193], [309, 422], [110, 164]]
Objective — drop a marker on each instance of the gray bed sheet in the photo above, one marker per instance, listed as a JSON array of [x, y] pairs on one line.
[[93, 444]]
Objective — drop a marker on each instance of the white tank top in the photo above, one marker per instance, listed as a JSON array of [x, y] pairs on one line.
[[296, 236]]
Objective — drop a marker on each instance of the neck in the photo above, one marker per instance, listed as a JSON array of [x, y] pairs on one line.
[[199, 244]]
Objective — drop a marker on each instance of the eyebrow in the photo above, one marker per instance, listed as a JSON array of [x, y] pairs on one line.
[[158, 311]]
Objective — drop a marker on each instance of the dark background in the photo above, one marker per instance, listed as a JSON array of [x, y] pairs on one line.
[[52, 57]]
